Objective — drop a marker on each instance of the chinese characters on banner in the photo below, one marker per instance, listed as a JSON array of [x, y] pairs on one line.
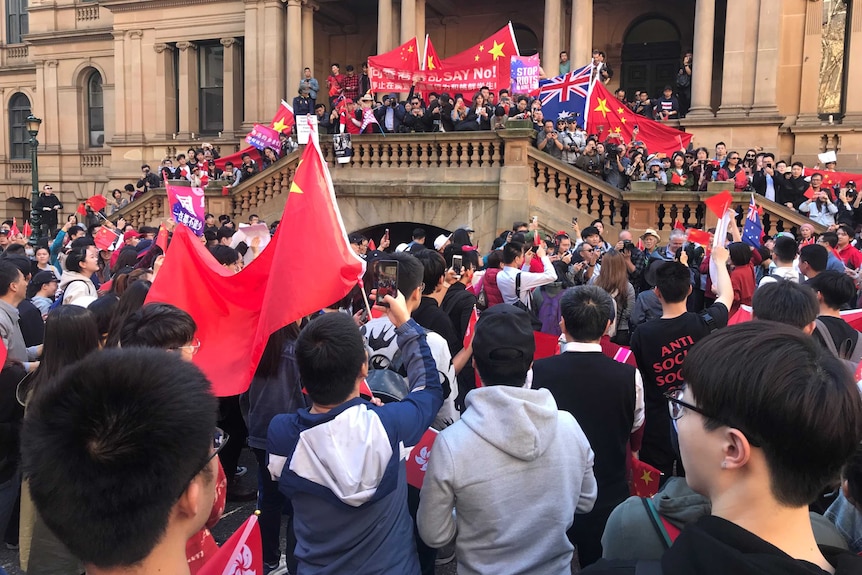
[[388, 79], [188, 207], [264, 137], [525, 75]]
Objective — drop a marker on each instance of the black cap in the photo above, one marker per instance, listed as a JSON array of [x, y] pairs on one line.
[[502, 330], [43, 278]]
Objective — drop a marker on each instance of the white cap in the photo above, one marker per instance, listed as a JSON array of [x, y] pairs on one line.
[[400, 248], [441, 241]]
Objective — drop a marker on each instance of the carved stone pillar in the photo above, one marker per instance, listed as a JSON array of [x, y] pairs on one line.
[[295, 49], [188, 88], [308, 10], [384, 26], [704, 41], [581, 45], [232, 91], [166, 91], [551, 37]]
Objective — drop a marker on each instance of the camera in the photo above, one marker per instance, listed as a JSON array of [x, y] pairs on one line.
[[627, 245], [612, 150]]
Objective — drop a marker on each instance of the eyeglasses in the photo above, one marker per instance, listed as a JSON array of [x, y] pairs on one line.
[[220, 439], [677, 407], [193, 347], [733, 158]]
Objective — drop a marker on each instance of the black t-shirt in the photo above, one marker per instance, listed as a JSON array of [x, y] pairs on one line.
[[660, 346], [844, 336]]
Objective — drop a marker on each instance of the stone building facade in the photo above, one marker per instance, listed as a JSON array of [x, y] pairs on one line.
[[119, 83]]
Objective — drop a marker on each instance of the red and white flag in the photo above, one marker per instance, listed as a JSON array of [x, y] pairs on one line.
[[242, 554], [471, 328], [417, 462]]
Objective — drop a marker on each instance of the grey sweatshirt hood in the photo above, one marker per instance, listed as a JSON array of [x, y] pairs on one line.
[[679, 503], [519, 422]]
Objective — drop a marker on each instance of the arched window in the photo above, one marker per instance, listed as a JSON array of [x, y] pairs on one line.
[[95, 111], [650, 56], [528, 42], [16, 21], [19, 137]]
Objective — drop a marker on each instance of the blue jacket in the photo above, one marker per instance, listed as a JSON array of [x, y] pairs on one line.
[[344, 475]]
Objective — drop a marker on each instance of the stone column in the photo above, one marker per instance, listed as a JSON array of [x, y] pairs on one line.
[[581, 45], [295, 49], [308, 10], [408, 20], [384, 26], [812, 55], [766, 75], [232, 91], [135, 95], [166, 91], [738, 71], [704, 39], [420, 24], [852, 105], [120, 126], [551, 38], [188, 85]]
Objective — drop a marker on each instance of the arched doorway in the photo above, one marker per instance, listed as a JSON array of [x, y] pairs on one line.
[[528, 42], [651, 56], [402, 232]]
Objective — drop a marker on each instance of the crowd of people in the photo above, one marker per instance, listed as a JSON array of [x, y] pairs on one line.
[[646, 372]]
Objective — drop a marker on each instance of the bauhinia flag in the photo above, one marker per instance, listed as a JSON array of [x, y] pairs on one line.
[[242, 554], [236, 312], [608, 116]]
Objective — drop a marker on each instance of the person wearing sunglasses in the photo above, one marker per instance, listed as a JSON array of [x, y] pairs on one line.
[[119, 453], [733, 172]]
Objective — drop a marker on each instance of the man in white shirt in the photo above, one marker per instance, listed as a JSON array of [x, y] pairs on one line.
[[784, 255], [515, 263]]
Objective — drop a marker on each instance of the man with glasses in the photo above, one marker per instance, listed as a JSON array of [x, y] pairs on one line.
[[660, 347], [119, 452], [762, 430], [48, 206]]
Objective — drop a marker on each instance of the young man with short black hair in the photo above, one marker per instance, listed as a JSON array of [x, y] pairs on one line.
[[516, 467], [340, 461], [660, 347], [119, 453], [788, 303], [784, 254], [833, 291]]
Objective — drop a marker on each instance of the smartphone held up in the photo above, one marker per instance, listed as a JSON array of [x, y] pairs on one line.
[[385, 280]]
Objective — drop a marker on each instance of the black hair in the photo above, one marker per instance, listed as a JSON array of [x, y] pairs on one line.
[[71, 333], [673, 281], [830, 238], [835, 288], [128, 258], [460, 237], [158, 325], [784, 249], [740, 253], [495, 258], [469, 258], [271, 359], [132, 300], [815, 256], [117, 429], [434, 268], [15, 249], [853, 475], [8, 275], [19, 261], [785, 302], [225, 255], [512, 251], [330, 353], [76, 229], [590, 231], [800, 164], [225, 232], [75, 258], [780, 393], [586, 311], [103, 310]]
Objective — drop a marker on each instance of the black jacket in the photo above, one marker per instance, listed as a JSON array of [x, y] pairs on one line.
[[11, 414], [793, 191], [48, 206]]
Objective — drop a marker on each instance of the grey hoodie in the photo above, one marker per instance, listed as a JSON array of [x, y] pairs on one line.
[[519, 469]]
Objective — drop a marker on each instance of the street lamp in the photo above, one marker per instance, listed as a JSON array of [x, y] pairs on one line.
[[33, 124]]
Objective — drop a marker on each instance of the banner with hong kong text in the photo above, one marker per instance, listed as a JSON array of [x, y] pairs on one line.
[[188, 207], [525, 75], [264, 137], [452, 80]]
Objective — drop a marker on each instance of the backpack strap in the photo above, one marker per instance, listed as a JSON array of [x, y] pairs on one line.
[[826, 336], [518, 286], [659, 523]]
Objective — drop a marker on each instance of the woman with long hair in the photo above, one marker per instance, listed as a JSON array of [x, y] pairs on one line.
[[678, 177], [733, 172], [702, 169], [478, 116], [614, 279], [130, 301]]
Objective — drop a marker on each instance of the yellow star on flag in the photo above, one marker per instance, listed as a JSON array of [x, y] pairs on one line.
[[623, 120], [617, 129], [410, 49], [603, 107], [477, 57], [279, 126], [647, 477], [431, 65], [497, 50], [620, 110], [482, 48]]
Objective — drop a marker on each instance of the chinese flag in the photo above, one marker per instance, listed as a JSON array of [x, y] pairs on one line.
[[283, 120], [497, 49], [28, 231], [719, 203], [97, 203], [677, 225], [104, 238], [236, 312], [547, 345], [606, 115], [471, 328], [431, 61], [14, 231], [162, 238], [809, 193], [242, 553], [699, 237], [645, 478], [417, 462], [404, 57], [82, 210]]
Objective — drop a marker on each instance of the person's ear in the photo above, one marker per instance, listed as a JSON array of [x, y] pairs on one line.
[[193, 500], [736, 449], [607, 327], [809, 329]]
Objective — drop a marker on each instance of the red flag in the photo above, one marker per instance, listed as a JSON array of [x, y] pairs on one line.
[[242, 553], [393, 71], [546, 345], [104, 238], [3, 353], [719, 203], [677, 225], [364, 390], [641, 244], [699, 237], [832, 178], [496, 49], [283, 120], [97, 203], [82, 211], [417, 463], [809, 193], [644, 480], [28, 231], [431, 61], [236, 313], [606, 114], [471, 328], [14, 231], [162, 238]]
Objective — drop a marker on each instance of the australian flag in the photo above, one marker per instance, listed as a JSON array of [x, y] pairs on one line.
[[565, 95], [753, 229]]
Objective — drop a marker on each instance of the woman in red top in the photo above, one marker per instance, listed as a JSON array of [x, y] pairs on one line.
[[851, 256], [733, 172], [743, 260]]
